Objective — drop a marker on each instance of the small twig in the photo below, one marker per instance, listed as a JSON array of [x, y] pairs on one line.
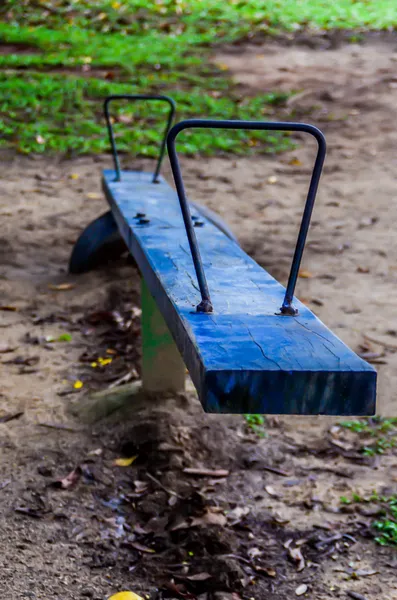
[[68, 392], [59, 426], [171, 492], [237, 557], [124, 379], [356, 596], [296, 97], [274, 470], [380, 343], [11, 417]]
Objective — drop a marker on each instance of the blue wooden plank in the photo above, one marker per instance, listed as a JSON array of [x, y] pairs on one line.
[[243, 357]]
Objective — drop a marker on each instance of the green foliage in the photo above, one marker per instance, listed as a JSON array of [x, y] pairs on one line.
[[66, 55], [382, 430], [256, 423], [386, 524]]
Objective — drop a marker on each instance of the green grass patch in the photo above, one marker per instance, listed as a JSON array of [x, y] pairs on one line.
[[64, 56], [209, 19], [63, 113], [385, 523], [380, 434]]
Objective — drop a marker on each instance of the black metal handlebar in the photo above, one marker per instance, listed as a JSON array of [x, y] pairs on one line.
[[134, 97], [206, 304]]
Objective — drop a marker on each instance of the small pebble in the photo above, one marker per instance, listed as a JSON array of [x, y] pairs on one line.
[[300, 590]]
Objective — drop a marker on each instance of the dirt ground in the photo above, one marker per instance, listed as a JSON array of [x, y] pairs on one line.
[[272, 522]]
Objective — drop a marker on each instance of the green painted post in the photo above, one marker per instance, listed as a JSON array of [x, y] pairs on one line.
[[163, 369]]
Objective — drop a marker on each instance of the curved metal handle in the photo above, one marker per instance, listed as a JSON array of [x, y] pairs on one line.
[[206, 304], [134, 97]]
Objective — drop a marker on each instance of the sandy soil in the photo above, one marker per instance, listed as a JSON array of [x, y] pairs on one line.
[[96, 537]]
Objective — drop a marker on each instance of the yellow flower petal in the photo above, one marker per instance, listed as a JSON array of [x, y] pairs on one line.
[[124, 462], [78, 384]]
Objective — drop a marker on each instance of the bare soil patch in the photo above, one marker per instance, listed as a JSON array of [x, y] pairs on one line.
[[212, 536]]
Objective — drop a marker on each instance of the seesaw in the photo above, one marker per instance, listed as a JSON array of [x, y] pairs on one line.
[[249, 345]]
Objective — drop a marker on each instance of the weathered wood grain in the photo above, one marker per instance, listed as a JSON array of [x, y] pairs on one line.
[[243, 358]]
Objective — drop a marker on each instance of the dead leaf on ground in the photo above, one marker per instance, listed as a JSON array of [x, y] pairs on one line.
[[212, 516], [69, 481], [305, 274], [10, 417], [357, 573], [125, 596], [124, 462], [181, 593], [235, 515], [96, 452], [197, 577], [8, 308], [126, 119], [295, 555], [61, 287], [4, 349], [142, 548], [272, 492], [207, 472]]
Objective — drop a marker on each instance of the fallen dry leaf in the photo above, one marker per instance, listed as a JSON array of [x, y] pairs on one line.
[[4, 349], [61, 287], [199, 577], [8, 308], [237, 514], [272, 492], [142, 548], [210, 517], [296, 555], [124, 462], [125, 596], [96, 452], [69, 481], [305, 274]]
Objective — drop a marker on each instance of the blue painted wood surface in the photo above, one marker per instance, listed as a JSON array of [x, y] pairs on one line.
[[243, 358]]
